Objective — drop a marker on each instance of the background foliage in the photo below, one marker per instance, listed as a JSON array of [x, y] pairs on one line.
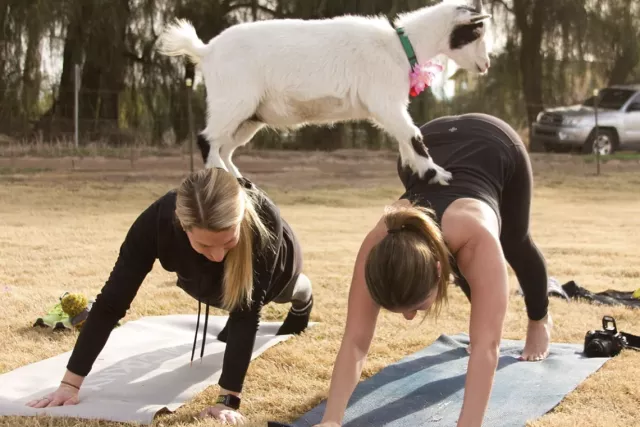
[[547, 53]]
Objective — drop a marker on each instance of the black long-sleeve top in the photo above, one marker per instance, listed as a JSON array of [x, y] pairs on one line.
[[156, 234]]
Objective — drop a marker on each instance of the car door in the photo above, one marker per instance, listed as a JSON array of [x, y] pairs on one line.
[[631, 120]]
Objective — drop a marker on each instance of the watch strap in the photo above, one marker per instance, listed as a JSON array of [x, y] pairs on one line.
[[229, 400]]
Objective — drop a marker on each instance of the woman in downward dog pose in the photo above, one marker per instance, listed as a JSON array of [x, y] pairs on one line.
[[230, 249], [473, 228]]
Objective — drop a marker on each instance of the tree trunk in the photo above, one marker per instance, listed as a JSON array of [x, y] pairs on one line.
[[624, 66], [629, 52], [531, 32], [31, 74], [529, 16], [104, 70], [60, 116], [4, 8]]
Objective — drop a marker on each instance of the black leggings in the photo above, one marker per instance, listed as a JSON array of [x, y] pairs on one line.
[[520, 251]]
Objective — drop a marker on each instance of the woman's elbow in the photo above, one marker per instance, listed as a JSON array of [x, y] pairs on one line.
[[489, 350], [356, 344], [110, 308]]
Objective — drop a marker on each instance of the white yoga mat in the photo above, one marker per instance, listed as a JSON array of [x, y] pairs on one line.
[[143, 370]]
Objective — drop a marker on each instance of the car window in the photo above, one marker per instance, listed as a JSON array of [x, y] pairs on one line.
[[635, 100], [610, 98]]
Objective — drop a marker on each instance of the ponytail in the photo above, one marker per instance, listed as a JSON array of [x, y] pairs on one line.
[[402, 269], [238, 268], [212, 199]]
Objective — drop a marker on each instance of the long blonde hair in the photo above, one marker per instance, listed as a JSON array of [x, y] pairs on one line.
[[212, 199], [401, 270]]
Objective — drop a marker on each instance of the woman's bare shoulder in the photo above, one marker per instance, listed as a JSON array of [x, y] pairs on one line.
[[464, 219]]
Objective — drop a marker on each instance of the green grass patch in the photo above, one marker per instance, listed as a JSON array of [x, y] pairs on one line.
[[623, 156], [14, 171], [92, 150]]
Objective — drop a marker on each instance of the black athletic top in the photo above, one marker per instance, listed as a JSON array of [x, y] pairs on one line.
[[489, 162], [156, 234], [477, 149]]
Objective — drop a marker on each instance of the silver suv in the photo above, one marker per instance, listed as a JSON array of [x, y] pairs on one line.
[[575, 126]]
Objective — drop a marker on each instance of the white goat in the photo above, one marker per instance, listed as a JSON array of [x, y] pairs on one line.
[[286, 73]]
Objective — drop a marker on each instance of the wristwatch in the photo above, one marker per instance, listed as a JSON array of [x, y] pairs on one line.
[[229, 400]]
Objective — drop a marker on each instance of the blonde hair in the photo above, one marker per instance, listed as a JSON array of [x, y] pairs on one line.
[[401, 270], [212, 199]]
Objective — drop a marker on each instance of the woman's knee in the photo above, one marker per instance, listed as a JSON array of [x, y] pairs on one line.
[[299, 289], [302, 289]]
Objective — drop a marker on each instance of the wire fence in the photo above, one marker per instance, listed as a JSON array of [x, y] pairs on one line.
[[131, 124]]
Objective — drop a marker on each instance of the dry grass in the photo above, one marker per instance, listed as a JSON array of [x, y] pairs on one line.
[[60, 230]]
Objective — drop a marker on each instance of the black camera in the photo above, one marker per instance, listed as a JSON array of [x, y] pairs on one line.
[[606, 343]]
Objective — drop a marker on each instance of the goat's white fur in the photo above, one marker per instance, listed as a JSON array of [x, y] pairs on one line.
[[292, 72]]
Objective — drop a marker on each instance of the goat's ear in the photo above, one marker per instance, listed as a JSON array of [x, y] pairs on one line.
[[467, 16]]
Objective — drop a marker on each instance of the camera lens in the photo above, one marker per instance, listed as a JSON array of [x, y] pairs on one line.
[[598, 348]]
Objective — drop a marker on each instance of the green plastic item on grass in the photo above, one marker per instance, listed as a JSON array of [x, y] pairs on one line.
[[55, 318], [70, 312]]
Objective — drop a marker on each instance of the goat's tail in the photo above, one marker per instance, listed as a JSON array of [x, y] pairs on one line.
[[180, 38]]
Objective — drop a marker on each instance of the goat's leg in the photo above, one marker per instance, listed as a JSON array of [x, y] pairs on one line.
[[214, 159], [204, 147], [425, 162], [245, 132], [395, 119], [226, 113]]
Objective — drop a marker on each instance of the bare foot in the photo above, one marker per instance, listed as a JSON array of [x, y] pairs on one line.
[[536, 346]]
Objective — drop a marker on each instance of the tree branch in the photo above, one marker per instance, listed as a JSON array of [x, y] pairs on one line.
[[521, 15], [141, 60], [505, 5], [135, 58], [225, 5], [249, 5]]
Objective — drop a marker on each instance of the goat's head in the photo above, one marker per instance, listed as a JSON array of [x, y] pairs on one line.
[[467, 42]]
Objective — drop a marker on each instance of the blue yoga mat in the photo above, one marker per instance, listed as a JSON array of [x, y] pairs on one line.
[[426, 388]]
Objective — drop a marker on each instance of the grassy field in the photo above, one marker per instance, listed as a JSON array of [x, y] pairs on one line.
[[60, 230]]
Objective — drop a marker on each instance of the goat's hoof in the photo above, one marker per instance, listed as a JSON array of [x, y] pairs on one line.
[[417, 143], [426, 168], [441, 177]]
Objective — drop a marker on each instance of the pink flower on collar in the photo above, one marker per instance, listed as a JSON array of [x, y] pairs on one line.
[[422, 76]]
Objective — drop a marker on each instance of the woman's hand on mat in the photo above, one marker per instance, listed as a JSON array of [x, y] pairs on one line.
[[224, 414], [63, 396], [327, 424]]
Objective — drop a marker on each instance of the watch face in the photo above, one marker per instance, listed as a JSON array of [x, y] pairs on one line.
[[229, 400]]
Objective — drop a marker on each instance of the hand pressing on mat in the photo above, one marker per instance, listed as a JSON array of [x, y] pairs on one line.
[[224, 414], [63, 396]]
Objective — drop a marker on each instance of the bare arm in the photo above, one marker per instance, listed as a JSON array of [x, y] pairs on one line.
[[136, 258], [481, 261], [362, 314]]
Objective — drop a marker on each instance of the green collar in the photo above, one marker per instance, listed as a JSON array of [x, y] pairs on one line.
[[408, 49]]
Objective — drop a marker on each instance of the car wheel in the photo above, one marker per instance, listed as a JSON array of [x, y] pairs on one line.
[[605, 143]]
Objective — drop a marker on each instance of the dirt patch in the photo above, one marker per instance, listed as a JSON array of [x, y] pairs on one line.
[[285, 170]]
